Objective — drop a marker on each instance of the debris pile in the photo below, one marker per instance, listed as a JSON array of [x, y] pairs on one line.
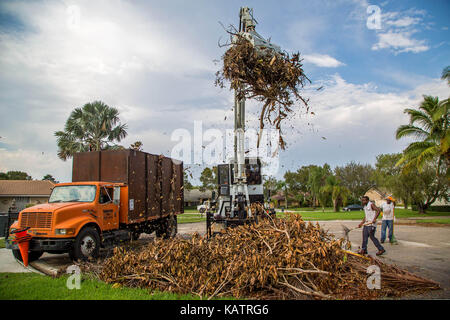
[[275, 79], [274, 259]]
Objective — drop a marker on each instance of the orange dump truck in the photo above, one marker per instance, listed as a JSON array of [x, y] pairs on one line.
[[115, 196]]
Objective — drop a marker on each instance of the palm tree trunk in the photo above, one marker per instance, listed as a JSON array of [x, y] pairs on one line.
[[405, 203], [422, 207]]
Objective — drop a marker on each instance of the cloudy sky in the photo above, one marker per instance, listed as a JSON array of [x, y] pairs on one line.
[[154, 61]]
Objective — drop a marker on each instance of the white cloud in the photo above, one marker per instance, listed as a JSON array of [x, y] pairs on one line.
[[127, 56], [398, 32], [400, 42], [322, 60], [357, 121]]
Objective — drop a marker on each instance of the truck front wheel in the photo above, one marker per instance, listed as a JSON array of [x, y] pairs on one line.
[[86, 245], [32, 255]]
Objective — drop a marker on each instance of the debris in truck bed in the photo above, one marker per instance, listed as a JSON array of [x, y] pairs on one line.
[[275, 79], [274, 259]]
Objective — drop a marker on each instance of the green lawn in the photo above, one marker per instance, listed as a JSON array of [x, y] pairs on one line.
[[190, 218], [438, 221], [358, 215], [329, 214], [2, 242], [190, 211], [32, 286]]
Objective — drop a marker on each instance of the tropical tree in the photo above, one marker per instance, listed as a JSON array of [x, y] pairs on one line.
[[49, 177], [270, 186], [429, 186], [208, 179], [323, 196], [138, 145], [339, 193], [283, 186], [421, 188], [15, 175], [358, 178], [428, 125], [391, 177], [316, 180], [94, 127], [186, 182], [446, 74]]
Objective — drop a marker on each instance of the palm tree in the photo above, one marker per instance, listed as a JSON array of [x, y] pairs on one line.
[[316, 180], [339, 193], [323, 196], [137, 146], [429, 126], [446, 74], [282, 185], [94, 127]]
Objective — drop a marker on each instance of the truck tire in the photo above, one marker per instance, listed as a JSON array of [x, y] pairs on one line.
[[86, 245], [168, 227], [135, 235], [32, 255]]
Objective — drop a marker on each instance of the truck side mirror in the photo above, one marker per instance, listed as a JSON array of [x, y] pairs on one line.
[[116, 196]]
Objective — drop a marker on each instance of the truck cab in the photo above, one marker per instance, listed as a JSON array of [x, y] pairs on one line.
[[89, 208]]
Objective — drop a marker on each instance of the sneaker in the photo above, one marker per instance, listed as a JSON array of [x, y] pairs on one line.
[[362, 252], [379, 253], [382, 241]]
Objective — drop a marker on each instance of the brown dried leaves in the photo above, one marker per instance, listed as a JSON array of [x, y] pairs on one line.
[[273, 79], [286, 259]]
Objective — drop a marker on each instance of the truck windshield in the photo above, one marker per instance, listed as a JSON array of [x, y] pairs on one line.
[[73, 194]]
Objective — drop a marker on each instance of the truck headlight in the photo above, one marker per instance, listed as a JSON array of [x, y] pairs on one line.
[[64, 232]]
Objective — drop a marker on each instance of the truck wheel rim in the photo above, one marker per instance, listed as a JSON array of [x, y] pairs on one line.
[[87, 246]]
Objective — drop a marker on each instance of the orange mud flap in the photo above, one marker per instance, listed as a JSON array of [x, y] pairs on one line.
[[22, 238]]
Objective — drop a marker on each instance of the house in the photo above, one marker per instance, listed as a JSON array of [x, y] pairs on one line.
[[194, 197], [379, 195], [16, 195], [280, 200]]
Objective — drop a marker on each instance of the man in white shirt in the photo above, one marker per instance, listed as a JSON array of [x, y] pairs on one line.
[[371, 213], [388, 220]]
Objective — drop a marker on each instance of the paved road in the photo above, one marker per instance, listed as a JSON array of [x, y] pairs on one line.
[[422, 250], [8, 263]]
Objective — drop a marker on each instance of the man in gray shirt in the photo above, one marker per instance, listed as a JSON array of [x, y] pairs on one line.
[[388, 220]]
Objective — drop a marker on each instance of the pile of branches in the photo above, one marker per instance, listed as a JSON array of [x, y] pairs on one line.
[[275, 79], [274, 259]]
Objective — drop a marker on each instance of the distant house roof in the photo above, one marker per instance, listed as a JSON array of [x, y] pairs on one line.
[[196, 195], [278, 196], [383, 193], [25, 188]]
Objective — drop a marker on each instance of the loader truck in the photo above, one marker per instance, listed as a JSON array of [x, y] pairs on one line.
[[114, 196], [240, 185]]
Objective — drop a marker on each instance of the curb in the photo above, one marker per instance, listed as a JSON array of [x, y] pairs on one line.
[[45, 268]]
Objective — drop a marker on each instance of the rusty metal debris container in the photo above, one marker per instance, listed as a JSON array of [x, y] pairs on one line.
[[155, 182]]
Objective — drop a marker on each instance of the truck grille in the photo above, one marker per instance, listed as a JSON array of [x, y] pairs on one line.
[[39, 220]]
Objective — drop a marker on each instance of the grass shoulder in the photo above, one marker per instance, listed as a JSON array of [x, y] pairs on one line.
[[357, 215], [39, 287]]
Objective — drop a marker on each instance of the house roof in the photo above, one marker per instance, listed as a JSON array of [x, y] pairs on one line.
[[196, 194], [381, 192], [29, 188]]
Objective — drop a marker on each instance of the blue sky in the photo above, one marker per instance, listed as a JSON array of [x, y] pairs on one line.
[[153, 60]]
